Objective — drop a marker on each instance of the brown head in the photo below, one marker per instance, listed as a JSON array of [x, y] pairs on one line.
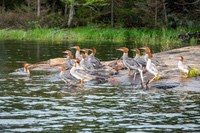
[[123, 49], [180, 58], [26, 66], [77, 48], [93, 51]]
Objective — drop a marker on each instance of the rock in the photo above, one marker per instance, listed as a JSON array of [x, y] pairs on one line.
[[170, 75]]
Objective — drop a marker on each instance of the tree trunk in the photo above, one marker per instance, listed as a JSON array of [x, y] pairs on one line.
[[3, 6], [29, 5], [112, 13], [71, 14], [38, 8], [156, 12], [65, 9], [53, 6], [165, 12]]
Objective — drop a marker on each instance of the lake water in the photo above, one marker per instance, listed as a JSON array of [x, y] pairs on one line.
[[42, 103]]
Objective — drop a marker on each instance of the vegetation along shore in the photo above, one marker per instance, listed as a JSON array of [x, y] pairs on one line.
[[167, 37], [139, 22]]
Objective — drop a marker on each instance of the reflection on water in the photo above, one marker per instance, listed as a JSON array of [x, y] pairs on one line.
[[42, 102]]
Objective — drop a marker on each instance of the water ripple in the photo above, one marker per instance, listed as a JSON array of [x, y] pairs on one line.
[[36, 104]]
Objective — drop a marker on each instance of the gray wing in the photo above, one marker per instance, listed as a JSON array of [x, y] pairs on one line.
[[141, 61], [95, 62], [132, 64]]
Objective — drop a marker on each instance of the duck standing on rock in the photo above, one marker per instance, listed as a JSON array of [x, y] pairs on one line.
[[131, 64], [147, 50], [186, 69], [66, 76], [182, 67], [94, 60], [153, 60], [151, 68], [85, 65], [69, 59], [80, 74]]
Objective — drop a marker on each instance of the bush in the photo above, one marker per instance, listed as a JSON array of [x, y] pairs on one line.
[[15, 20], [54, 20]]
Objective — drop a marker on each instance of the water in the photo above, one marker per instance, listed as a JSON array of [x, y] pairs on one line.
[[42, 103]]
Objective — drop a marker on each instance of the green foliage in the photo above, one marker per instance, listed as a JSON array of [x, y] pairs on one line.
[[158, 38], [193, 73], [157, 77], [32, 25], [96, 2], [127, 13]]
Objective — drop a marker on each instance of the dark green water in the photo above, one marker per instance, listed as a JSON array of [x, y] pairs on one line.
[[42, 103]]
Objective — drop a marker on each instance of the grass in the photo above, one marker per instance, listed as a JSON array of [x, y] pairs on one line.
[[193, 73], [167, 37]]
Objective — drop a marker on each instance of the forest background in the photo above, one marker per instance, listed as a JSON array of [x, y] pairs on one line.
[[128, 17]]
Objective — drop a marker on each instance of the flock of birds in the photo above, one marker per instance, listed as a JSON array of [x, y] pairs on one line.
[[86, 67]]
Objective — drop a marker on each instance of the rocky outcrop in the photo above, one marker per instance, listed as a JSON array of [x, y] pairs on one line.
[[170, 75]]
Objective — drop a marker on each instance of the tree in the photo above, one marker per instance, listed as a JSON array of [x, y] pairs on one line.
[[112, 13], [38, 8], [3, 6], [71, 10]]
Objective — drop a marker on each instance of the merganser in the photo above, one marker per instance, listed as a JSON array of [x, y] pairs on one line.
[[182, 67], [22, 71], [69, 59], [151, 68], [85, 65], [26, 68], [147, 50], [78, 72], [156, 62], [66, 76], [93, 60], [78, 52], [138, 57], [98, 73], [131, 64]]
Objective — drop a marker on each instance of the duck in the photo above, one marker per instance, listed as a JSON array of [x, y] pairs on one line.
[[66, 76], [78, 72], [85, 65], [69, 59], [151, 68], [131, 64], [182, 67], [94, 60], [25, 71]]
